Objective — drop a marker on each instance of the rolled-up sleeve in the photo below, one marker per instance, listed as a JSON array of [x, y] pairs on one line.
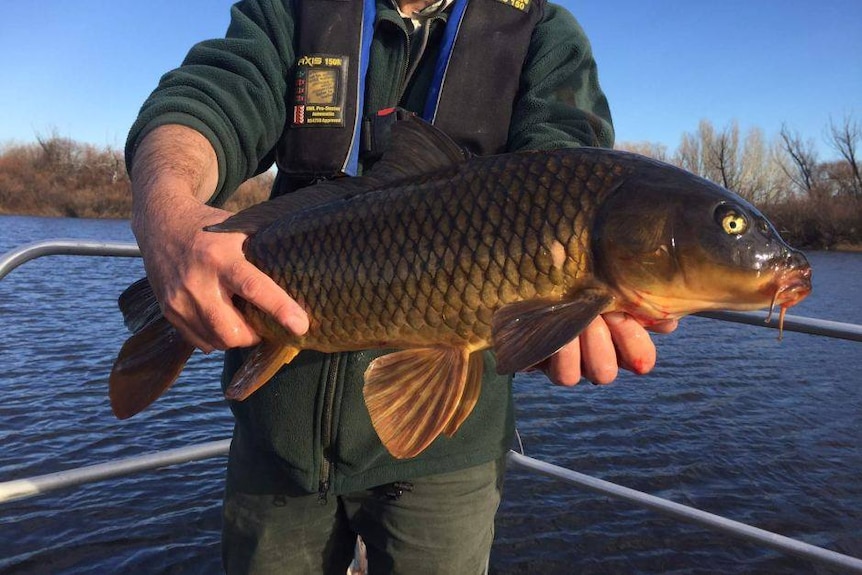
[[232, 90]]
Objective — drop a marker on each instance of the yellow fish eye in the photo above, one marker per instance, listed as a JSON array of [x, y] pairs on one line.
[[732, 222]]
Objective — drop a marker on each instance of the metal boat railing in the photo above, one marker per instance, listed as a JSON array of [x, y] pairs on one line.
[[14, 258], [33, 486]]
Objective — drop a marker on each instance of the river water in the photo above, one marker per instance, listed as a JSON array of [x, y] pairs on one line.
[[731, 421]]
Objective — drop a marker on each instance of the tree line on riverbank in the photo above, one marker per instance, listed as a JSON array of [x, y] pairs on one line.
[[61, 177], [814, 203]]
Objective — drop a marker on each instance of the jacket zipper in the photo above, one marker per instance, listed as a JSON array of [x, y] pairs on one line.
[[424, 32], [405, 64], [327, 433], [408, 70]]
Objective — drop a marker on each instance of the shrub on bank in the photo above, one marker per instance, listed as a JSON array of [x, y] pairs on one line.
[[818, 223], [61, 177]]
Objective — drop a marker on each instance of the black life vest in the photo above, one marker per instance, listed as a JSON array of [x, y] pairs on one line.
[[472, 94]]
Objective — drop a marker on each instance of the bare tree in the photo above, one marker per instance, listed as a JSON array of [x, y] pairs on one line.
[[845, 139], [723, 157], [690, 154], [711, 154], [804, 168], [761, 178], [747, 165]]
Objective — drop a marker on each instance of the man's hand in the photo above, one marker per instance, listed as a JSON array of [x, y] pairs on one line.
[[195, 273], [612, 341]]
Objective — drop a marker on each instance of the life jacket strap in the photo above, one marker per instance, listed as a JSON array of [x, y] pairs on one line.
[[376, 130]]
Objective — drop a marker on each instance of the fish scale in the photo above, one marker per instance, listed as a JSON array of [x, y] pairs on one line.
[[388, 269]]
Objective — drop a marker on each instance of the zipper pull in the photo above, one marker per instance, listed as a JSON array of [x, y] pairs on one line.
[[323, 492]]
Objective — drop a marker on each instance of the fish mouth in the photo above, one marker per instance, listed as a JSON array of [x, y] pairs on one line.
[[791, 287]]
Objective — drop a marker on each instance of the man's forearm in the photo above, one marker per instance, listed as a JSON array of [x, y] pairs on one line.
[[174, 166]]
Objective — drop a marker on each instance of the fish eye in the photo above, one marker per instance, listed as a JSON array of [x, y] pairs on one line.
[[732, 222]]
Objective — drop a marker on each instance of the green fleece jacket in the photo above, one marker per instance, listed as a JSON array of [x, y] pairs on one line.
[[236, 91]]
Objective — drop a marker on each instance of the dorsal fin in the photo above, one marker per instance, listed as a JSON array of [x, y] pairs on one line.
[[416, 148], [259, 216]]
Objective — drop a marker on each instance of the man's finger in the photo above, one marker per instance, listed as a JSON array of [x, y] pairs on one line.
[[209, 323], [564, 367], [228, 328], [257, 288], [598, 356], [665, 326], [189, 333], [635, 349]]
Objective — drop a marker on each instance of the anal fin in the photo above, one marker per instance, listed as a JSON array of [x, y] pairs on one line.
[[262, 363], [413, 395]]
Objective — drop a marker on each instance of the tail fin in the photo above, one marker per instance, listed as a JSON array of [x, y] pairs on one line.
[[151, 360]]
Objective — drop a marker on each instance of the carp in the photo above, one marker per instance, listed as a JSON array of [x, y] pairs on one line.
[[439, 255]]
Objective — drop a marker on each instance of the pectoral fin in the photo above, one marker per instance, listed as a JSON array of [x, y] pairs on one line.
[[413, 395], [528, 332], [264, 360]]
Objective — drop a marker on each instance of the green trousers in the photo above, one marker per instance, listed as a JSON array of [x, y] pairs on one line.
[[440, 524]]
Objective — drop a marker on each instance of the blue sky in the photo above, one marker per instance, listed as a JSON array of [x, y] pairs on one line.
[[82, 68]]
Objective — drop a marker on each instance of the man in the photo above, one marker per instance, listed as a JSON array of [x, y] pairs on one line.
[[300, 82]]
